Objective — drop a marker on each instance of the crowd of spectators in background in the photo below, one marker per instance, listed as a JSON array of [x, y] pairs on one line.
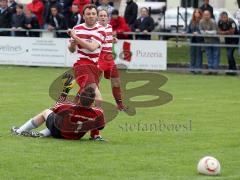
[[63, 14], [203, 22]]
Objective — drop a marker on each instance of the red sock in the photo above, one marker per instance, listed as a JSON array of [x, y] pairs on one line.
[[94, 133], [116, 91]]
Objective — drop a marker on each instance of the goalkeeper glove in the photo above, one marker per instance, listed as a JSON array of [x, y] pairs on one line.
[[68, 82]]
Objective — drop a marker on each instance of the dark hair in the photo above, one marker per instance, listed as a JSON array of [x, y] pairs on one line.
[[54, 6], [87, 97], [89, 6], [115, 12], [145, 8], [19, 6], [224, 13]]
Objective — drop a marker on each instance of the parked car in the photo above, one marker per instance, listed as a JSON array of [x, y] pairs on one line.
[[171, 16], [155, 5]]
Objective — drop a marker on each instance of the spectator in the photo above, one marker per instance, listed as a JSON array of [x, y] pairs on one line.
[[95, 2], [31, 22], [81, 4], [237, 16], [37, 7], [12, 6], [66, 8], [47, 6], [119, 25], [207, 6], [130, 13], [75, 18], [18, 20], [144, 24], [57, 22], [5, 17], [195, 51], [227, 26], [106, 6], [208, 26]]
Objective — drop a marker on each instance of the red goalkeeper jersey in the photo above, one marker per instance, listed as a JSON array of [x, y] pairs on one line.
[[73, 120]]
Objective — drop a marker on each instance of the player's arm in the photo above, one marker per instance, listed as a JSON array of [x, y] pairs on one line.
[[68, 83], [91, 46]]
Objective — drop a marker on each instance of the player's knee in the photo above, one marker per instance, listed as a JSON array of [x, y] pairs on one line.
[[46, 113], [115, 82]]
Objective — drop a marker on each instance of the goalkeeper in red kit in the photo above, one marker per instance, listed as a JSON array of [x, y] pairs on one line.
[[106, 61], [67, 120]]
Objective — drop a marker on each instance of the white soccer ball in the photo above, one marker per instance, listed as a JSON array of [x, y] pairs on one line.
[[209, 166]]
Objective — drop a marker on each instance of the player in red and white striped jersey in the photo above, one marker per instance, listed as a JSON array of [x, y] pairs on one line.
[[87, 40], [95, 33], [106, 61]]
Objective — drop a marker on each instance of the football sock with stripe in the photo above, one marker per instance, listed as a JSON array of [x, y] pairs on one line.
[[30, 124]]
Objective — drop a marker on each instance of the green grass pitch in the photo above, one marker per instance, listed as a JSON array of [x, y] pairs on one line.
[[210, 103]]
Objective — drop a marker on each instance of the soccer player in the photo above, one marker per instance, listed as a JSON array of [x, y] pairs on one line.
[[106, 61], [67, 120], [87, 39]]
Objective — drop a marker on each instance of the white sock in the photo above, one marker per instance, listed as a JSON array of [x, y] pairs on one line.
[[27, 126], [46, 132]]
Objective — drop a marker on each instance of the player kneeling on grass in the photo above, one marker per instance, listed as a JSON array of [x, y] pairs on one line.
[[67, 120]]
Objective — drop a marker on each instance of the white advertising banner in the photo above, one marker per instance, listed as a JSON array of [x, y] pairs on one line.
[[33, 51], [135, 54], [141, 54]]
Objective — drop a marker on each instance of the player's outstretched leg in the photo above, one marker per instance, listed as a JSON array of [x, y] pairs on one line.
[[35, 122]]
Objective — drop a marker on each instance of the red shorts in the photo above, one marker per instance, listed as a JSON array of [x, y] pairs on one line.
[[86, 72], [111, 73], [107, 65]]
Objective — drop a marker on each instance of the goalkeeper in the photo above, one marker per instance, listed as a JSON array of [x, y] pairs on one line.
[[67, 120]]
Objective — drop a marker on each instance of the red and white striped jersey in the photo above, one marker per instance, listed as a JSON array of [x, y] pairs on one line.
[[107, 46], [96, 33]]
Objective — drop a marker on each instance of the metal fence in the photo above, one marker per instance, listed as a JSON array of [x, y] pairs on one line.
[[178, 45], [133, 35]]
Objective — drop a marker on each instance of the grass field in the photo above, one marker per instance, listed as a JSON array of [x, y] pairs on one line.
[[210, 103]]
